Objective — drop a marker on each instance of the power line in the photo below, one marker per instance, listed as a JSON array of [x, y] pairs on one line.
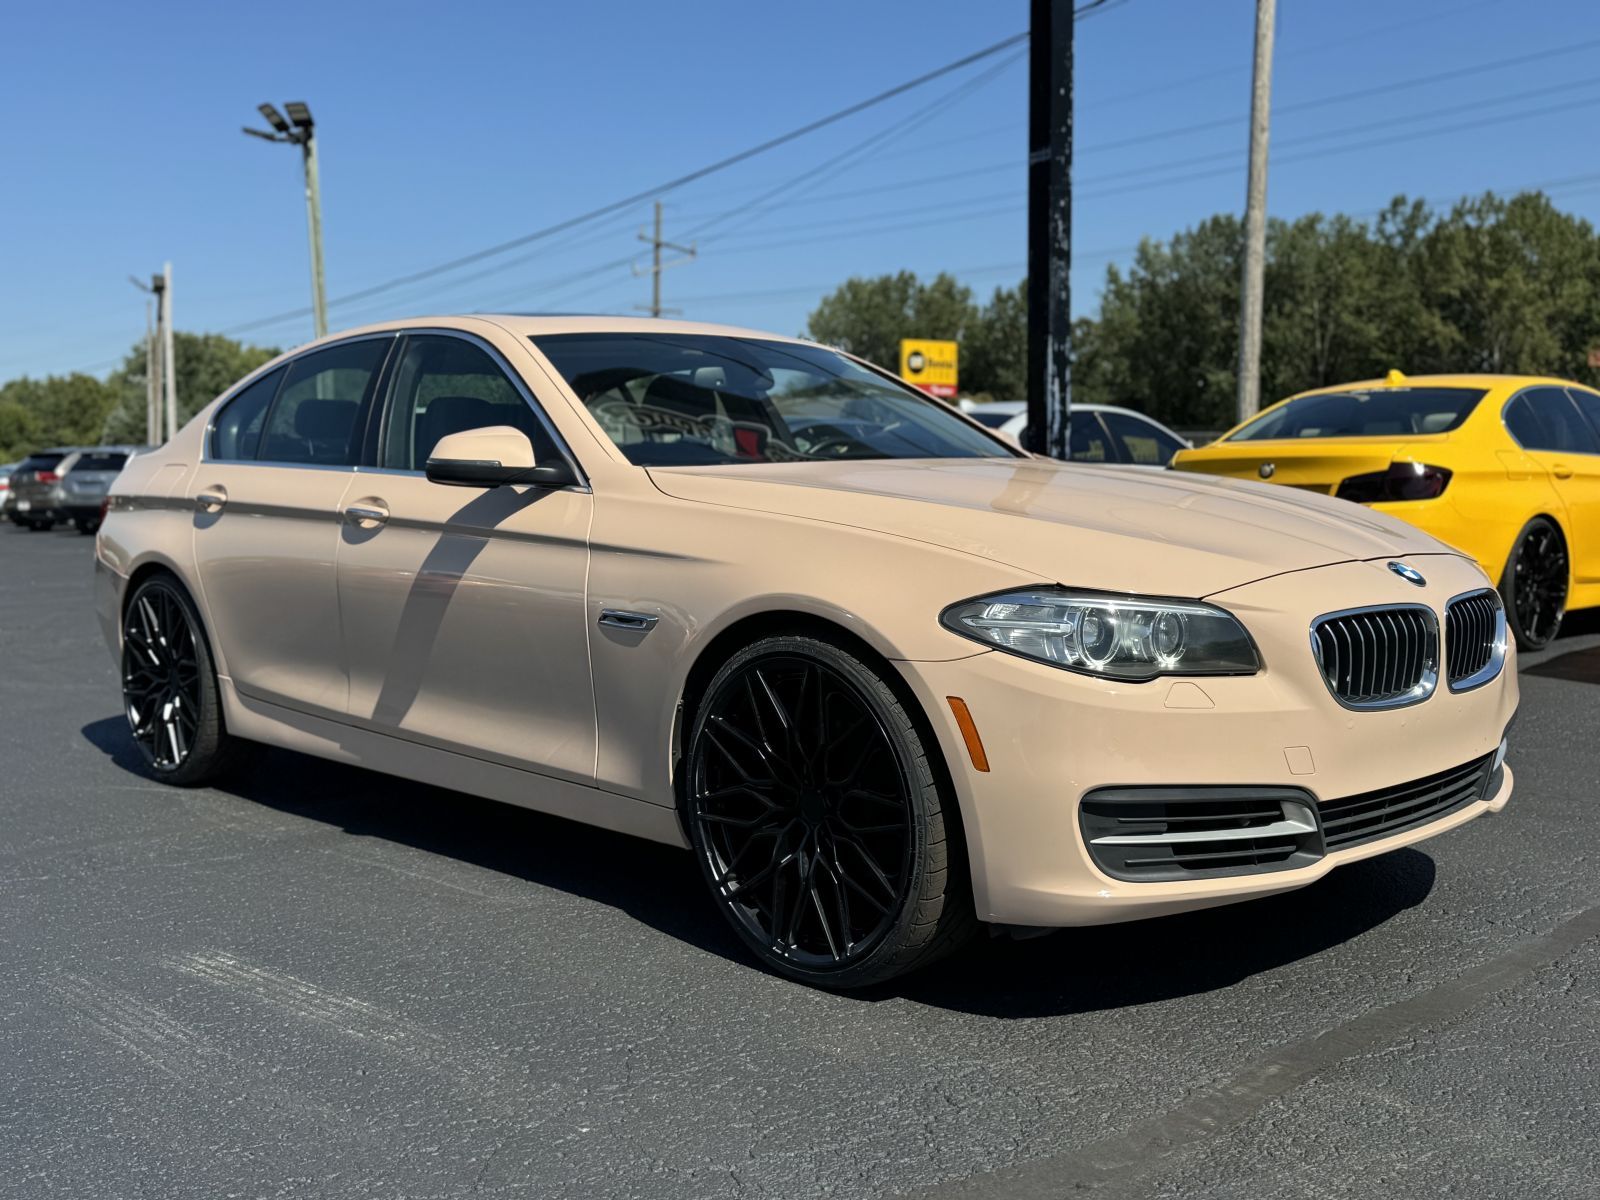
[[662, 189]]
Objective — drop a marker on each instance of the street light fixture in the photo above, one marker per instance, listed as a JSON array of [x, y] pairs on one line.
[[301, 134]]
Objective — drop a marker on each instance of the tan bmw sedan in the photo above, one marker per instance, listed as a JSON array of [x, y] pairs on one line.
[[886, 676]]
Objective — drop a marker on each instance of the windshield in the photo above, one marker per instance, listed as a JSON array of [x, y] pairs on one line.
[[682, 399], [1380, 412]]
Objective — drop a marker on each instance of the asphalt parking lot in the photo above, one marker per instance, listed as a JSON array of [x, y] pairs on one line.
[[324, 982]]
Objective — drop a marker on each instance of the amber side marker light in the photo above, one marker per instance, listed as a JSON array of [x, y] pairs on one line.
[[969, 733]]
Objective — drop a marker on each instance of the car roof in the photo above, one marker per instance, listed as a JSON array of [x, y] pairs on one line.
[[541, 324], [1480, 379]]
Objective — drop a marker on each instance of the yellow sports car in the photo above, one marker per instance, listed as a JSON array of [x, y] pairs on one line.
[[1504, 467]]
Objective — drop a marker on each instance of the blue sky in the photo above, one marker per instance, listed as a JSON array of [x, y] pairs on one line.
[[445, 130]]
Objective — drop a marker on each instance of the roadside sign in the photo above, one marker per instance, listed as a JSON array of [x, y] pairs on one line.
[[929, 365]]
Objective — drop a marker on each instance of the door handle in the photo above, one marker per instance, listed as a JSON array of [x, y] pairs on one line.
[[366, 513], [1561, 470], [616, 618], [211, 499]]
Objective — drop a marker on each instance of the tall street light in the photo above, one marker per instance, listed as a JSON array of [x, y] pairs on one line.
[[301, 133]]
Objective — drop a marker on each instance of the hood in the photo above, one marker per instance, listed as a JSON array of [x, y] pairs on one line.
[[1104, 528]]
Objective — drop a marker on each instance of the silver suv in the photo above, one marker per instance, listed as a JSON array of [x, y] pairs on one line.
[[66, 483]]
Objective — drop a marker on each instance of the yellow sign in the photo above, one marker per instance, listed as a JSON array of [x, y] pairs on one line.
[[929, 365]]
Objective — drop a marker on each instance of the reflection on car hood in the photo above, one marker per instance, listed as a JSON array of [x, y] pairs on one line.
[[1109, 528]]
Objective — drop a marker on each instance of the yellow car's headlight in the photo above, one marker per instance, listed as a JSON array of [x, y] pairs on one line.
[[1117, 637]]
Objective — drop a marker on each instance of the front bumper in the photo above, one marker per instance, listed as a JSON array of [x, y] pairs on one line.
[[1051, 736]]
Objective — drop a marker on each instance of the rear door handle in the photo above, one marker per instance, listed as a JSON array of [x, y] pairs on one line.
[[1561, 470], [366, 513], [211, 500]]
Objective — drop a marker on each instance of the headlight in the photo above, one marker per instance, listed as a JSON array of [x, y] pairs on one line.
[[1118, 637]]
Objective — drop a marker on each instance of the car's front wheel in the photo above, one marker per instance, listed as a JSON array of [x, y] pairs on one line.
[[817, 814], [1534, 586], [169, 686]]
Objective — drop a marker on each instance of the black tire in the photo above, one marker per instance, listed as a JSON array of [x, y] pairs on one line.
[[87, 527], [806, 774], [169, 686], [1534, 586], [38, 526]]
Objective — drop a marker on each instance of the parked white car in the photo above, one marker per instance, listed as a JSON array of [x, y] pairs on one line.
[[1104, 433]]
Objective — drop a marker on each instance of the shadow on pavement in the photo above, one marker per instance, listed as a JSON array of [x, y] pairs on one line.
[[1076, 970]]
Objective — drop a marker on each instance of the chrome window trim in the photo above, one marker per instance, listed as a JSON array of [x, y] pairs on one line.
[[284, 364], [1426, 686], [1497, 657], [517, 381]]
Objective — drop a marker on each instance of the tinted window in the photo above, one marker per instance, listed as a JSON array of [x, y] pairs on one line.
[[1378, 412], [1087, 440], [1524, 425], [670, 399], [1561, 428], [1140, 441], [990, 418], [314, 417], [99, 462], [1589, 403], [236, 432], [40, 462], [445, 385]]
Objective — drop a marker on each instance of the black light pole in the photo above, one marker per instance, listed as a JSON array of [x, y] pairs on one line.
[[1049, 226]]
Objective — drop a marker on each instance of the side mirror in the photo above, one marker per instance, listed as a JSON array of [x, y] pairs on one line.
[[490, 457]]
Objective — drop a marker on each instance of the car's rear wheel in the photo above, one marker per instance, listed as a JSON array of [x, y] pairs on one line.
[[1534, 586], [86, 525], [40, 526], [816, 812], [169, 686]]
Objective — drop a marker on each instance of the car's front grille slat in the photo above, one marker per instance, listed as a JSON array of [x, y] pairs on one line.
[[1379, 657], [1474, 639]]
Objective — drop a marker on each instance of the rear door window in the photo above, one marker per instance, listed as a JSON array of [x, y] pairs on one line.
[[315, 417], [1589, 404], [1560, 428], [1087, 440]]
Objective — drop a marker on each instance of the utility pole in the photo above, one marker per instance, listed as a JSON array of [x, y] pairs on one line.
[[302, 133], [1050, 226], [152, 433], [1255, 217], [169, 365], [657, 245]]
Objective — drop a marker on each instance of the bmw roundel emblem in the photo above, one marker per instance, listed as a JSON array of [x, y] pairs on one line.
[[1267, 470], [1408, 573]]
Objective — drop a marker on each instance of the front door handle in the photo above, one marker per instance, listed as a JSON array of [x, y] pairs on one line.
[[1561, 470], [368, 514], [616, 618], [211, 499]]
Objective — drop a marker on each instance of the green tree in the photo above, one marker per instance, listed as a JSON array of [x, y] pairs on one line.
[[994, 353], [869, 317], [208, 364], [55, 410]]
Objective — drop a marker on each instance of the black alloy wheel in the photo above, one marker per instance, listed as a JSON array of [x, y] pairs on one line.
[[817, 818], [1534, 586], [169, 687]]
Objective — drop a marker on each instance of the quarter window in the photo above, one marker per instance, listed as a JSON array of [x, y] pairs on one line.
[[314, 417], [236, 432], [446, 385]]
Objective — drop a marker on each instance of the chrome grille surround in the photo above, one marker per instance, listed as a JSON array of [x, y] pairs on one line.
[[1474, 639], [1377, 657]]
